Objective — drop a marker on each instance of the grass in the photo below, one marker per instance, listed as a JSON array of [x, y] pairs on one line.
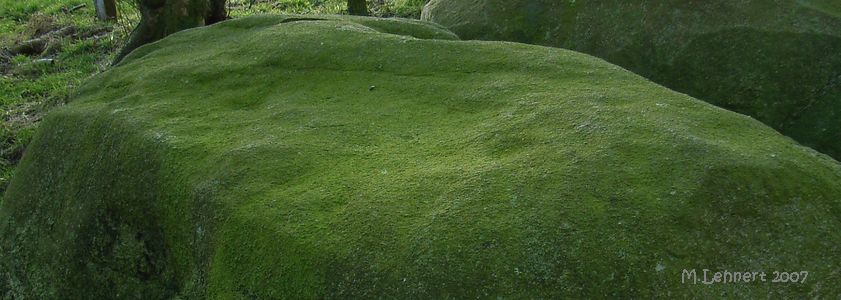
[[774, 62], [265, 157], [389, 8], [29, 90]]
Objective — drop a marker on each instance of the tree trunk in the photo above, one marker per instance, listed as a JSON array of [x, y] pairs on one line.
[[160, 18], [217, 12], [106, 9], [357, 7]]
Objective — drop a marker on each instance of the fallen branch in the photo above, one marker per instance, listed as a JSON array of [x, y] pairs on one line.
[[43, 61], [39, 45], [75, 8], [62, 32], [30, 47]]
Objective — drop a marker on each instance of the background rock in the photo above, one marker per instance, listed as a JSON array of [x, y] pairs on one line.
[[773, 60]]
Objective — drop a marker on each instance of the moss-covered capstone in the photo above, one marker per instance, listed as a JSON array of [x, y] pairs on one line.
[[776, 61], [253, 159]]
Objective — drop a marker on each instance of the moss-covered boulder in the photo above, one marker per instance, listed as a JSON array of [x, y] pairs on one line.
[[293, 157], [774, 60]]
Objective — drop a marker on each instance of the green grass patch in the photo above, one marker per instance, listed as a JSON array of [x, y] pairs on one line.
[[31, 87], [22, 10], [389, 8]]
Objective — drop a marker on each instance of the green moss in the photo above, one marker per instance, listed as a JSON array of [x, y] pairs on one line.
[[776, 62], [276, 157], [830, 7]]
